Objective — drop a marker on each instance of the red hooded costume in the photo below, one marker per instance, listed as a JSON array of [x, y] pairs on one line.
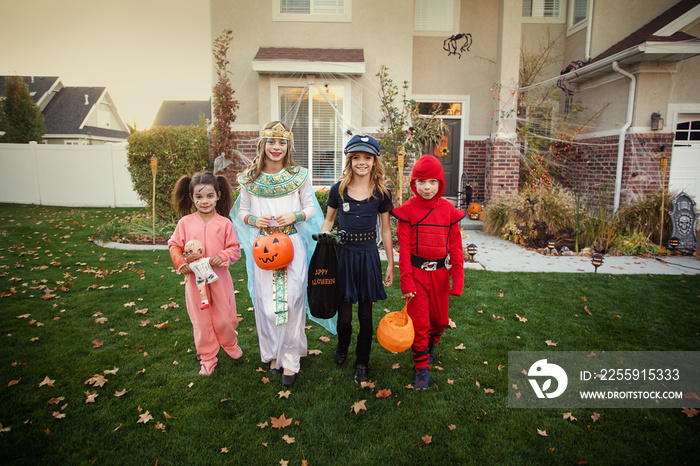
[[430, 252]]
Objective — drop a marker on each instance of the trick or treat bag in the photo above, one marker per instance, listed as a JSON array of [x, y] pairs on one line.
[[323, 290]]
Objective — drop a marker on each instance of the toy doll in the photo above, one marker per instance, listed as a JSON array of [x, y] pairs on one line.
[[203, 271]]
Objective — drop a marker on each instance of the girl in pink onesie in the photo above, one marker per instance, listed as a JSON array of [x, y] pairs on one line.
[[215, 326]]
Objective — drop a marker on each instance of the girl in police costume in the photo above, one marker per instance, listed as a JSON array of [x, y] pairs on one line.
[[358, 198], [276, 196]]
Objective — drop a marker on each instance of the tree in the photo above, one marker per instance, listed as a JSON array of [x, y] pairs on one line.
[[225, 105], [20, 117]]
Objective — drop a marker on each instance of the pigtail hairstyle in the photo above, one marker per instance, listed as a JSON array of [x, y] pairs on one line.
[[256, 167], [376, 182], [181, 200], [225, 202]]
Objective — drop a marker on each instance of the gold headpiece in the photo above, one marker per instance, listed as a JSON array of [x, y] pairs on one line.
[[276, 131]]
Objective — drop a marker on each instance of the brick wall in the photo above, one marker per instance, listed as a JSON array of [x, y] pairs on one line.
[[590, 167], [502, 168], [475, 157]]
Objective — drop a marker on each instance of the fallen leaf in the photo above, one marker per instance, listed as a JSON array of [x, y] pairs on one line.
[[121, 393], [451, 382], [265, 380], [550, 343], [96, 380], [452, 427], [280, 422], [427, 439], [584, 299], [54, 401], [315, 352], [585, 308], [224, 450], [111, 371], [691, 396], [324, 339], [101, 320], [288, 439], [521, 319], [569, 416], [595, 417], [396, 366], [166, 415], [145, 417], [14, 382], [489, 390], [543, 433], [97, 344], [262, 425], [163, 325], [368, 384], [46, 381], [260, 369], [91, 395], [160, 426], [690, 412], [358, 406], [452, 323], [58, 415], [284, 394], [460, 347], [384, 393]]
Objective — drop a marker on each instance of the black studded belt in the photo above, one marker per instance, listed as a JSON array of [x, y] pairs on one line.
[[428, 265], [346, 237]]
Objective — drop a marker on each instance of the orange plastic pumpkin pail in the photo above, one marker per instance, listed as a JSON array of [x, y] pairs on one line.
[[395, 331], [272, 252]]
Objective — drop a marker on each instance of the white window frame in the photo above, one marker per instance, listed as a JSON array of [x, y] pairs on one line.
[[546, 19], [311, 17], [346, 84], [455, 21], [573, 28]]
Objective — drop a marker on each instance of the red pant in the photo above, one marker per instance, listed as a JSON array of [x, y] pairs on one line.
[[428, 310]]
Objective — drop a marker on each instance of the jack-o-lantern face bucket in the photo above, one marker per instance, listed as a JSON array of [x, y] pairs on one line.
[[273, 251], [395, 331], [474, 210]]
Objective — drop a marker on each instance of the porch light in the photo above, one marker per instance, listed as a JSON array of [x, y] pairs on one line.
[[471, 250], [657, 123], [597, 261]]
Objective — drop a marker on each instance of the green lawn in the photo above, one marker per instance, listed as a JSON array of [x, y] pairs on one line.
[[67, 314]]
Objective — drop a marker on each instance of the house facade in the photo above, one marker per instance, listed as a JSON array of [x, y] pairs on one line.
[[314, 65], [75, 115]]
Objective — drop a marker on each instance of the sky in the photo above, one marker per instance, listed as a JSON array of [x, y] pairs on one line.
[[142, 51]]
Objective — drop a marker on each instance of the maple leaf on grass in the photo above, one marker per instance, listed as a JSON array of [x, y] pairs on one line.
[[91, 395], [58, 415], [315, 352], [288, 439], [111, 371], [281, 422], [224, 450], [160, 426], [262, 425], [284, 394], [324, 339], [145, 417], [452, 427], [595, 417], [121, 393], [550, 343], [569, 416], [358, 406], [690, 412], [460, 347], [46, 381], [14, 382], [384, 393], [96, 343], [427, 439], [54, 401]]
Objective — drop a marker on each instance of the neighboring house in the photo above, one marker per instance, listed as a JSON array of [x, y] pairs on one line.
[[75, 115], [183, 113], [314, 64]]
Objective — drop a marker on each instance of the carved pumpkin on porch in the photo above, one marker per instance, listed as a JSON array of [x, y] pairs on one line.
[[272, 252], [474, 210]]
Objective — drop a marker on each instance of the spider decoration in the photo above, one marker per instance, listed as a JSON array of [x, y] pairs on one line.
[[574, 65], [450, 44]]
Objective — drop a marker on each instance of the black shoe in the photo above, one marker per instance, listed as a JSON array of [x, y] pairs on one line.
[[361, 374], [341, 355], [288, 380], [276, 370]]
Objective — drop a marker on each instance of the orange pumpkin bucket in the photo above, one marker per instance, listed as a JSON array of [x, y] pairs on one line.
[[273, 251], [395, 331]]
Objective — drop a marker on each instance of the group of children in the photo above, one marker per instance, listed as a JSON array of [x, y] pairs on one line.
[[276, 196]]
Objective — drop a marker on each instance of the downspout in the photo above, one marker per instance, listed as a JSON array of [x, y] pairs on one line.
[[589, 32], [623, 133]]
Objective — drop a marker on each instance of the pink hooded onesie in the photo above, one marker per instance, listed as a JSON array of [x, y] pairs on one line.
[[216, 325]]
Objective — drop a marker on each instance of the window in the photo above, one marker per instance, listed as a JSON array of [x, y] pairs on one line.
[[311, 10], [579, 12], [315, 114], [436, 16], [688, 131], [540, 8]]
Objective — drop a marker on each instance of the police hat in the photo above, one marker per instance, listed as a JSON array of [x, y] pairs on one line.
[[362, 144]]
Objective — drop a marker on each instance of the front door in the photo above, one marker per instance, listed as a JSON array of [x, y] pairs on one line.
[[450, 158]]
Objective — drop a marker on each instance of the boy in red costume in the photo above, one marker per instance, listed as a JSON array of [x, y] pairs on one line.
[[430, 253]]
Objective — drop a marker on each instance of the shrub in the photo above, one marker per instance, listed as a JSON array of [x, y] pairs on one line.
[[134, 228], [181, 150], [643, 216], [634, 244]]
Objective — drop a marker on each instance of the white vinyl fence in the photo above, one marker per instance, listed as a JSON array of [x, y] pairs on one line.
[[73, 176]]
